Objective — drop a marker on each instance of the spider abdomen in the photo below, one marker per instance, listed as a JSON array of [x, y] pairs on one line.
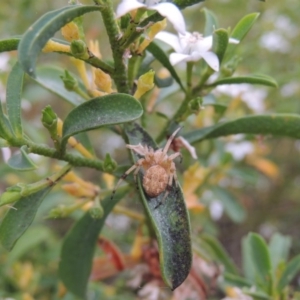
[[155, 181]]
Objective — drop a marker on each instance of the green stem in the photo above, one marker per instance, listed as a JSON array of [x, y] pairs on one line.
[[120, 73], [133, 67], [81, 93]]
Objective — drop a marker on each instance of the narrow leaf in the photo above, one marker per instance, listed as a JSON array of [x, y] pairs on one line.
[[276, 124], [211, 22], [18, 219], [235, 280], [49, 78], [251, 79], [185, 3], [21, 161], [217, 251], [291, 270], [170, 220], [79, 246], [220, 42], [231, 205], [36, 37], [160, 55], [13, 98], [101, 111]]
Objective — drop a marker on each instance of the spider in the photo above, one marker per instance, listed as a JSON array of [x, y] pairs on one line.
[[160, 170]]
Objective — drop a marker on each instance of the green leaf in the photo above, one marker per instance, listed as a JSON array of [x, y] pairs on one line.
[[220, 42], [291, 270], [36, 37], [241, 29], [231, 205], [169, 220], [13, 99], [21, 161], [235, 280], [18, 219], [251, 79], [9, 44], [261, 260], [279, 247], [258, 295], [49, 78], [211, 22], [217, 251], [79, 246], [161, 56], [185, 3], [102, 111], [276, 124]]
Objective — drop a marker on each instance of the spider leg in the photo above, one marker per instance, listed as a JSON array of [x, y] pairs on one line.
[[174, 155], [166, 148], [136, 166]]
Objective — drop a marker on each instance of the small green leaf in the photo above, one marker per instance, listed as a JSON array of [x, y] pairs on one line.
[[170, 220], [36, 37], [49, 77], [220, 42], [18, 218], [292, 268], [217, 251], [258, 295], [185, 3], [161, 56], [251, 79], [276, 124], [211, 22], [21, 161], [101, 111], [241, 29], [279, 247], [79, 246], [13, 99], [235, 280], [231, 205], [260, 258], [9, 44]]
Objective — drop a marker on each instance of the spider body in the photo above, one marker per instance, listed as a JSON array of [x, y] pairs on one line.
[[159, 168]]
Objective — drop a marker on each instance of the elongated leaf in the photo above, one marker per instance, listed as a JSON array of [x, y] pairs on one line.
[[49, 78], [101, 111], [220, 42], [241, 29], [292, 268], [160, 55], [258, 295], [13, 98], [252, 79], [235, 280], [21, 161], [170, 221], [260, 257], [217, 251], [275, 124], [9, 44], [18, 219], [36, 37], [279, 247], [231, 205], [211, 22], [79, 247], [185, 3], [247, 264]]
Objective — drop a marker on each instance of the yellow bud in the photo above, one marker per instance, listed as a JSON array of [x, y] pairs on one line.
[[70, 32], [103, 81], [52, 46], [145, 84], [79, 191], [154, 30]]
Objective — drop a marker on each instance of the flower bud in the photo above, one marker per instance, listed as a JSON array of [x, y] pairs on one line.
[[109, 164], [49, 120], [79, 49], [103, 81], [145, 84], [96, 211], [70, 32], [69, 81]]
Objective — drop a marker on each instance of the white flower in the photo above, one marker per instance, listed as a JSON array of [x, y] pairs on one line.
[[190, 47], [239, 150], [166, 9]]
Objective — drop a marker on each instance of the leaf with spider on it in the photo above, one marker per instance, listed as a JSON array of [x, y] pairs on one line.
[[169, 220]]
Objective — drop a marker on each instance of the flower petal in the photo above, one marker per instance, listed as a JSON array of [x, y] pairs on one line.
[[173, 14], [176, 58], [212, 60], [233, 41], [126, 6], [205, 44], [170, 39]]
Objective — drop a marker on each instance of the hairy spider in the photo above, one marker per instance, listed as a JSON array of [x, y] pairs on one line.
[[160, 170]]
